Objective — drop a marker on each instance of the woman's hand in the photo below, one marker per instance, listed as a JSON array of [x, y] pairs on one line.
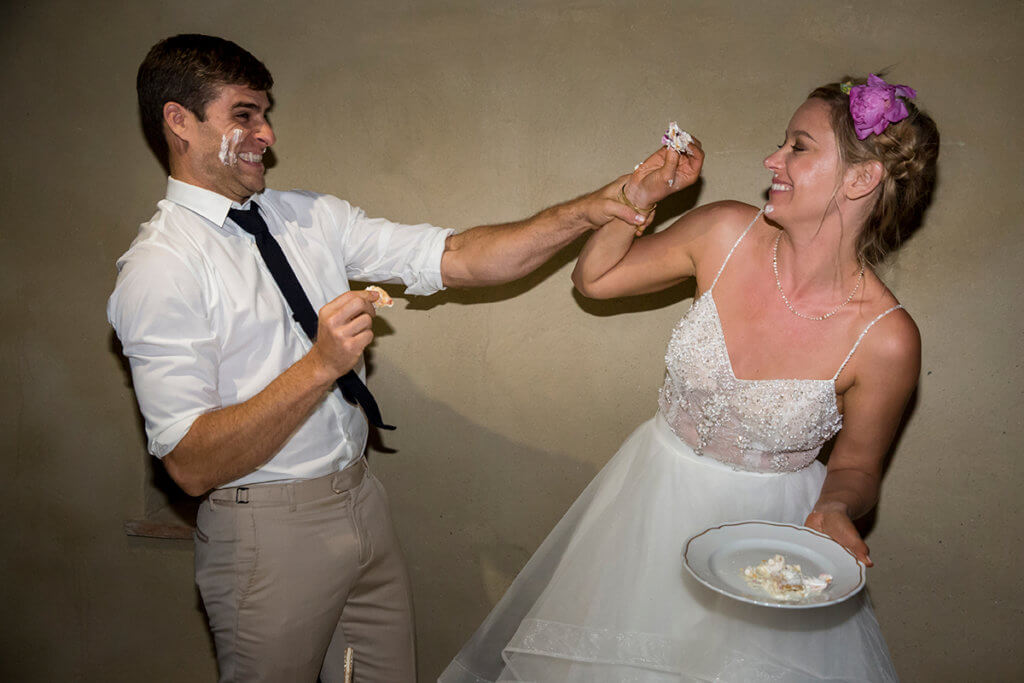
[[835, 523], [664, 172]]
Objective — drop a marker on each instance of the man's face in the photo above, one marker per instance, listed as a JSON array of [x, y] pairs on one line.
[[226, 150]]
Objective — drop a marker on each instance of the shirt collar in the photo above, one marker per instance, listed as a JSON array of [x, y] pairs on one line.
[[207, 203]]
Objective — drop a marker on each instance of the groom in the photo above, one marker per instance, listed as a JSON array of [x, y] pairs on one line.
[[233, 306]]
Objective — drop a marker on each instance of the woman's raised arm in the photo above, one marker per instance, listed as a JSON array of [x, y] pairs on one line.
[[606, 266]]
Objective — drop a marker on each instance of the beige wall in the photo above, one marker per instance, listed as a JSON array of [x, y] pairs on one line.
[[508, 401]]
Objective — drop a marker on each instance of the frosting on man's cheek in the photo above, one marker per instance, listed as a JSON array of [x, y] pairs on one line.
[[229, 147]]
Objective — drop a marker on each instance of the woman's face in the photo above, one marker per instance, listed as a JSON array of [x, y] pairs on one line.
[[806, 174]]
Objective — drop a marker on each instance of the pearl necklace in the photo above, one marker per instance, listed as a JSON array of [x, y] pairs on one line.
[[778, 283]]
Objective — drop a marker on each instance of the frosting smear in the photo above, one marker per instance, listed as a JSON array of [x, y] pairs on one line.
[[785, 581]]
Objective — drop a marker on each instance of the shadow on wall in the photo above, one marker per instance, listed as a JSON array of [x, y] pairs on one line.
[[470, 506], [163, 501]]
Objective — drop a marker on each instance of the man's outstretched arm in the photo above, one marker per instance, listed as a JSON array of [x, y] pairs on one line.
[[494, 254]]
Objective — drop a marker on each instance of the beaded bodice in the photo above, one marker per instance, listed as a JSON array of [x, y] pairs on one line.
[[767, 425], [770, 425]]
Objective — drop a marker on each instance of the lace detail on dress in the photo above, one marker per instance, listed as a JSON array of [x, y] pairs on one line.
[[635, 653], [642, 650], [774, 425]]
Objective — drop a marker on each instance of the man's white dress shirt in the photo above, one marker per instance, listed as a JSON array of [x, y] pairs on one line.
[[205, 326]]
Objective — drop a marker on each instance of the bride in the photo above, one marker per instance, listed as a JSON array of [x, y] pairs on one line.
[[791, 340]]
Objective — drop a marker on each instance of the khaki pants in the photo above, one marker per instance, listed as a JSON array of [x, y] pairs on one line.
[[291, 574]]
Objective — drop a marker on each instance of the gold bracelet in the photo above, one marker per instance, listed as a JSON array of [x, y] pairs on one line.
[[623, 199]]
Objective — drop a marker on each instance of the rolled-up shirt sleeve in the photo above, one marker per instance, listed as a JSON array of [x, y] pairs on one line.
[[378, 250], [159, 312]]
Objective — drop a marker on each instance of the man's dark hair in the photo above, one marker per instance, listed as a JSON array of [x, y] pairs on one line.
[[188, 69]]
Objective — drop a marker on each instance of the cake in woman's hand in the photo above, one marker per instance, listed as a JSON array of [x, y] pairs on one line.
[[677, 139]]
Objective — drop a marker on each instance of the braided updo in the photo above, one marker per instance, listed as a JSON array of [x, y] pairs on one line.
[[908, 151]]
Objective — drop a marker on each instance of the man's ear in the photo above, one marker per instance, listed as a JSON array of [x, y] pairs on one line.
[[178, 120], [861, 179]]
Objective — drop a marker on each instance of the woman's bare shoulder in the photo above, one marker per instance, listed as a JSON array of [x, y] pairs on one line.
[[714, 224], [891, 349], [711, 230], [731, 211]]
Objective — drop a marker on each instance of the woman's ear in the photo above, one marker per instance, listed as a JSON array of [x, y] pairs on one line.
[[861, 179]]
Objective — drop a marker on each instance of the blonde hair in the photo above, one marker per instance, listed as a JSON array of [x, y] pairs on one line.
[[908, 151]]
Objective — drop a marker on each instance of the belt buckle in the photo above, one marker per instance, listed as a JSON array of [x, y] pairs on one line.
[[242, 495]]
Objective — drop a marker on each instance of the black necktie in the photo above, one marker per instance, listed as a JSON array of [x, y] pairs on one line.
[[352, 388]]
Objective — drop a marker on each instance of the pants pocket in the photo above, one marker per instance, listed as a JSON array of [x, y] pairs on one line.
[[216, 522]]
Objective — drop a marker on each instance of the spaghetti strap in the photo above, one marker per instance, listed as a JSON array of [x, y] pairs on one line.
[[735, 244], [857, 343]]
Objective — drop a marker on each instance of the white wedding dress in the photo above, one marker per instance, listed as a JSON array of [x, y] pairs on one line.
[[606, 599]]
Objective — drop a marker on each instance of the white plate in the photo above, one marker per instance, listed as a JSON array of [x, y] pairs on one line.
[[717, 557]]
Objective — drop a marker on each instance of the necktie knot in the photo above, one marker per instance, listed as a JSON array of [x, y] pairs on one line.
[[249, 219]]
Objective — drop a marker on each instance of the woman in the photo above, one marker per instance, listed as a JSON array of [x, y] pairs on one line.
[[791, 340]]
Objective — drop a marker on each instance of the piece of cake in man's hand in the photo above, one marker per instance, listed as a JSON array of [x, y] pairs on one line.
[[384, 299], [677, 139]]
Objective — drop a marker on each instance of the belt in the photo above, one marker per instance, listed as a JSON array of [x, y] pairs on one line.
[[293, 492]]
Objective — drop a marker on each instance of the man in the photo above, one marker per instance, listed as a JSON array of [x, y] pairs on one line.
[[295, 554]]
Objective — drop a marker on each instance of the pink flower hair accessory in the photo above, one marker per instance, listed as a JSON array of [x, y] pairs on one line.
[[877, 104]]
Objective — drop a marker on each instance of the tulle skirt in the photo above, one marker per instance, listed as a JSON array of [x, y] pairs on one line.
[[606, 599]]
